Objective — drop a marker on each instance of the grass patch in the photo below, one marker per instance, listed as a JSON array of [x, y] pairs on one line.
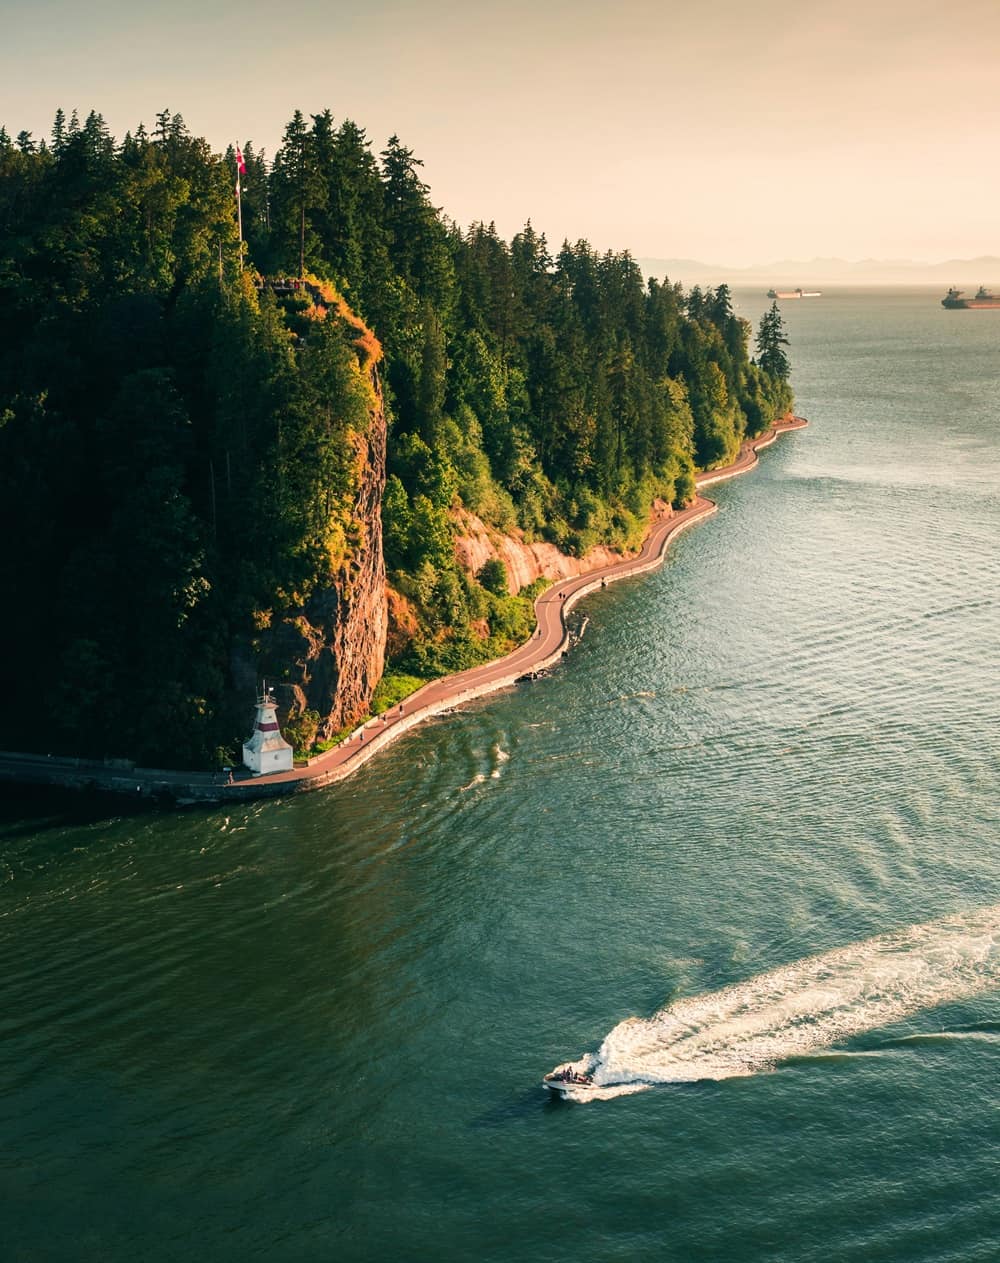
[[321, 747], [393, 688]]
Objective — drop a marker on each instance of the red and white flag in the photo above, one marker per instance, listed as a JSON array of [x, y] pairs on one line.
[[241, 166]]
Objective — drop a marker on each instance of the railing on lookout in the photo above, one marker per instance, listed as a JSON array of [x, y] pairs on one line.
[[288, 285]]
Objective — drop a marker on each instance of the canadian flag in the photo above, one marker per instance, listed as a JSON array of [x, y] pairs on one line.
[[241, 166]]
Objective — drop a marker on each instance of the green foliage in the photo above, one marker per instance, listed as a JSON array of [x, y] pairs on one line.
[[298, 191], [321, 747], [492, 576], [533, 590], [178, 453], [393, 688], [397, 522], [684, 489], [430, 535], [770, 343], [300, 733]]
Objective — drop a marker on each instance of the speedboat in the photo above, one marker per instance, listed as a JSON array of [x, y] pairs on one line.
[[564, 1080]]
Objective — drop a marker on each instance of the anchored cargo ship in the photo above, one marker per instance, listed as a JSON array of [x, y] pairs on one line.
[[794, 293], [982, 298]]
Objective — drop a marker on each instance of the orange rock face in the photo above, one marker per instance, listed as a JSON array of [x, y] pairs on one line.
[[525, 562], [334, 648]]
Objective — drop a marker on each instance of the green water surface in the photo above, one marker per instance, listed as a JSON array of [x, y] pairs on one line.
[[314, 1029]]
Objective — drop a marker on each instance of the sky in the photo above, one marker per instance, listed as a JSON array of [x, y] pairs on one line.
[[724, 130]]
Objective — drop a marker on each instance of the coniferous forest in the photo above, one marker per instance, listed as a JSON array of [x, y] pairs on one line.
[[179, 442]]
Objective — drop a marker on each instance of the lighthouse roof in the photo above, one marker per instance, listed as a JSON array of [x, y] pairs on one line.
[[264, 742]]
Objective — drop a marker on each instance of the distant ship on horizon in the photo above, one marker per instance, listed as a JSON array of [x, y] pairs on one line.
[[794, 293], [954, 301]]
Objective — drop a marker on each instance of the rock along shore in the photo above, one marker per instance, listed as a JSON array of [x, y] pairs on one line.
[[546, 647]]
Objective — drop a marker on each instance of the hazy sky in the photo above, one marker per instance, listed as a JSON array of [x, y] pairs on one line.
[[724, 130]]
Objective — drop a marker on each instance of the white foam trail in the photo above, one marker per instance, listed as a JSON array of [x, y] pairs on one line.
[[803, 1007], [498, 758]]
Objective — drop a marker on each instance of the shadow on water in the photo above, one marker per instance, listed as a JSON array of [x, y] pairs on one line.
[[532, 1103], [521, 1107], [27, 811]]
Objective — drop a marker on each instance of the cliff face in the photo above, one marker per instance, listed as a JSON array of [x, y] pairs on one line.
[[477, 543], [331, 650], [335, 649]]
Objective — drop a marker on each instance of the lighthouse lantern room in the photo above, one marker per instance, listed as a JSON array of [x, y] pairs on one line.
[[267, 750]]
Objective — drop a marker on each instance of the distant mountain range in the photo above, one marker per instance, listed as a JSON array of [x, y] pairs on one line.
[[809, 273]]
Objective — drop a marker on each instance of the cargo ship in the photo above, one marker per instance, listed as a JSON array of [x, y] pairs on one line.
[[794, 293], [982, 298]]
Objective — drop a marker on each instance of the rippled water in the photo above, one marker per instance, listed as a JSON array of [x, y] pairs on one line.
[[761, 800]]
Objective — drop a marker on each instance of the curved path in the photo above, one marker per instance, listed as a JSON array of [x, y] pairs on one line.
[[546, 647]]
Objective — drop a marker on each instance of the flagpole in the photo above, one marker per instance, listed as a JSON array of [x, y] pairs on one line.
[[239, 217], [240, 168]]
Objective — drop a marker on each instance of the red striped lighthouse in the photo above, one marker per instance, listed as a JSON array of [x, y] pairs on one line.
[[267, 750]]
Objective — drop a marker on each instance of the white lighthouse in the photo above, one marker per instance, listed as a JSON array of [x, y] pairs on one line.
[[267, 750]]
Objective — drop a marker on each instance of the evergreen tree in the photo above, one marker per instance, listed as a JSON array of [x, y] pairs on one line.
[[148, 394], [770, 343], [297, 190], [59, 133], [417, 240]]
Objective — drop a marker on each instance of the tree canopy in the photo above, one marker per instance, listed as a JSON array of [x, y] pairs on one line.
[[149, 393]]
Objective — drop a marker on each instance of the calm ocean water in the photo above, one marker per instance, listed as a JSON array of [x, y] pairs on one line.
[[744, 846]]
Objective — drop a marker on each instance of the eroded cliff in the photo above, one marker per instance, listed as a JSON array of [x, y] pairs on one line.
[[476, 543], [331, 649]]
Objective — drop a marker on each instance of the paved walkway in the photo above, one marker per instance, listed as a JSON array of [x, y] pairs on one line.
[[542, 650], [546, 647]]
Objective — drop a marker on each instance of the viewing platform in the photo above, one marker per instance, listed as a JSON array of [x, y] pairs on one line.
[[286, 285]]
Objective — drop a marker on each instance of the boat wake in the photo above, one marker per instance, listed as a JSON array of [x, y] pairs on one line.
[[498, 757], [800, 1008]]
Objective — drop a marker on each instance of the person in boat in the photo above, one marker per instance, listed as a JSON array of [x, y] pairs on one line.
[[570, 1076]]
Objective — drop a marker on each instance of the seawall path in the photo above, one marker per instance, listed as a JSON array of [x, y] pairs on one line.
[[545, 648]]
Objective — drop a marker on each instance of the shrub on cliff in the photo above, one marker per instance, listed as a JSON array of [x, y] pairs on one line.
[[492, 575]]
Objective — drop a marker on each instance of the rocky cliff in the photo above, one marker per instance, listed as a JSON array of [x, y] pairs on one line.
[[477, 543], [333, 647]]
